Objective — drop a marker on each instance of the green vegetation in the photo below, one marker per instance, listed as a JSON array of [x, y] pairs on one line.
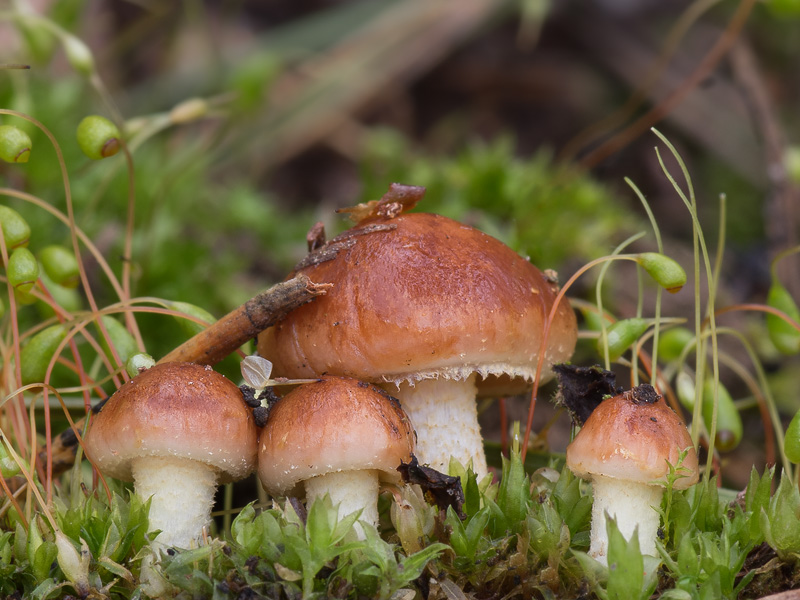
[[131, 232]]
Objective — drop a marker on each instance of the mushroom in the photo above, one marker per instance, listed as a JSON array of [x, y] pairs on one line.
[[437, 311], [336, 436], [176, 430], [625, 448]]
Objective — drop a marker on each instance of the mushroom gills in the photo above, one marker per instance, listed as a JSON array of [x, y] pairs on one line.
[[631, 504]]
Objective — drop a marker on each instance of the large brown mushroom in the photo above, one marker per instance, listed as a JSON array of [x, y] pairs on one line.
[[437, 311], [336, 436], [176, 430], [625, 448]]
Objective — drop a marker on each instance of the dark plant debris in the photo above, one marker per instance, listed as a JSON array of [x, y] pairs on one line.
[[582, 389], [440, 489]]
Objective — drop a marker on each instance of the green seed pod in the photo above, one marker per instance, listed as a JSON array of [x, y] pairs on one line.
[[684, 388], [15, 144], [729, 421], [123, 341], [792, 442], [621, 335], [2, 308], [23, 270], [60, 265], [138, 363], [39, 41], [78, 54], [16, 230], [36, 355], [98, 137], [785, 337], [665, 271], [673, 341], [190, 328]]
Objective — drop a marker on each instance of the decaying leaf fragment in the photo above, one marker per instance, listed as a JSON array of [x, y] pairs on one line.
[[440, 489], [582, 389]]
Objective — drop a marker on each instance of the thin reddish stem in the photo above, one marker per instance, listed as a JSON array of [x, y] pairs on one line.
[[759, 308], [13, 499]]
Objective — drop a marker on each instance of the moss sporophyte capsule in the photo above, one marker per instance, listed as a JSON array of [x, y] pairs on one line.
[[60, 265], [16, 230], [782, 333], [37, 354], [15, 144], [621, 335], [98, 137], [664, 270], [22, 270]]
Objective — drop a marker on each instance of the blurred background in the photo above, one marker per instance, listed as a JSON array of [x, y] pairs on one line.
[[250, 121]]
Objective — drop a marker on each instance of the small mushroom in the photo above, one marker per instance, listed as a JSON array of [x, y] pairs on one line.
[[176, 430], [625, 448], [336, 436], [435, 311]]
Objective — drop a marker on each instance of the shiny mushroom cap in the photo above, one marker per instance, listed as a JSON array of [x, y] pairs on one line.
[[329, 426], [634, 437], [179, 410], [420, 296]]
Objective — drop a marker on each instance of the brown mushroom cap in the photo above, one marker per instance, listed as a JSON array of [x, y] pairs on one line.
[[422, 296], [633, 439], [332, 425], [179, 410]]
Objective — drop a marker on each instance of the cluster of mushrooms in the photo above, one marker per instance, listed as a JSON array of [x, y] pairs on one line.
[[422, 309]]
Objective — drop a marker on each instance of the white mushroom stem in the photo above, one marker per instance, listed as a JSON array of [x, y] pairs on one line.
[[351, 491], [632, 504], [445, 416], [181, 493]]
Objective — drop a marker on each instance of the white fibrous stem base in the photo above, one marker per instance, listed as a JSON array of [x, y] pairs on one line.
[[351, 491], [181, 493], [445, 417], [632, 505]]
